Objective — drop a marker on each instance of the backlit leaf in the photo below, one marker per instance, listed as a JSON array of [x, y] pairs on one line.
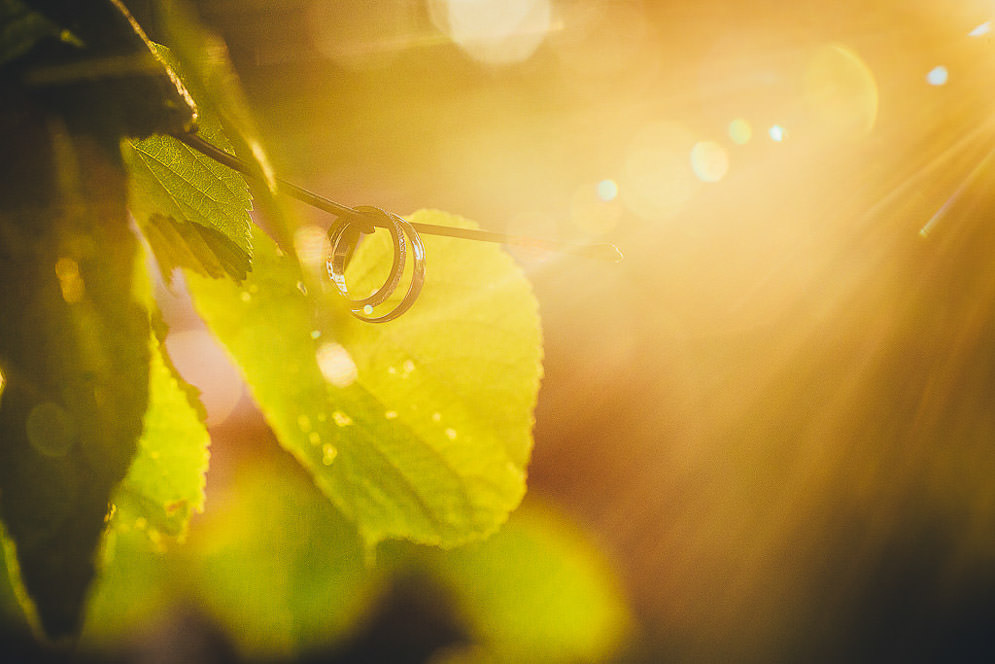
[[192, 210], [165, 483], [419, 428]]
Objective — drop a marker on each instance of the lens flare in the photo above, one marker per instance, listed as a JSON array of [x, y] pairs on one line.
[[709, 161], [495, 32], [740, 131], [937, 75], [980, 30], [607, 190], [841, 93]]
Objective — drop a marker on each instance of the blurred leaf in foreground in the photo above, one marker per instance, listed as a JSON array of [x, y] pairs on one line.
[[74, 353], [538, 591], [277, 566], [419, 428]]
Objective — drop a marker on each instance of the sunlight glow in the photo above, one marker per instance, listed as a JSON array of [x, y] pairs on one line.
[[360, 35], [657, 180], [709, 161], [937, 75], [777, 133], [591, 210], [3, 382], [311, 244], [495, 32], [336, 365], [202, 363]]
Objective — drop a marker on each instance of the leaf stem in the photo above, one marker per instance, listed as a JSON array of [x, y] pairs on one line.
[[601, 251]]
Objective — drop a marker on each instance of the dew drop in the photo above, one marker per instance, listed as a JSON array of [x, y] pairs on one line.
[[328, 453], [245, 296], [451, 434], [391, 414], [341, 418], [336, 365], [315, 334], [314, 438], [409, 366], [368, 309], [436, 417], [392, 370], [304, 422]]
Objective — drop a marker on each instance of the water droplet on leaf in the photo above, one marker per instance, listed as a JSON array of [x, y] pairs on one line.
[[341, 418], [328, 453], [304, 422]]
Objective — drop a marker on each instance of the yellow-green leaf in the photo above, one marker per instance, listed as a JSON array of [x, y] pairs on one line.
[[191, 209], [420, 428], [165, 483]]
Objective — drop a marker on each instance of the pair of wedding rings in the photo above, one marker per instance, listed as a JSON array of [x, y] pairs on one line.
[[343, 236]]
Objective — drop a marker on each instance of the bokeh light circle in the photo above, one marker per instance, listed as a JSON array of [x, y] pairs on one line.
[[709, 161], [495, 32], [740, 131], [937, 75], [841, 92]]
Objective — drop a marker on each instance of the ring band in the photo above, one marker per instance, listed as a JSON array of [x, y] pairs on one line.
[[417, 276], [342, 242], [339, 255]]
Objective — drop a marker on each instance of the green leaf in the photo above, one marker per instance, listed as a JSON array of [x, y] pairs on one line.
[[165, 483], [74, 352], [171, 182], [419, 428], [192, 210], [537, 591]]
